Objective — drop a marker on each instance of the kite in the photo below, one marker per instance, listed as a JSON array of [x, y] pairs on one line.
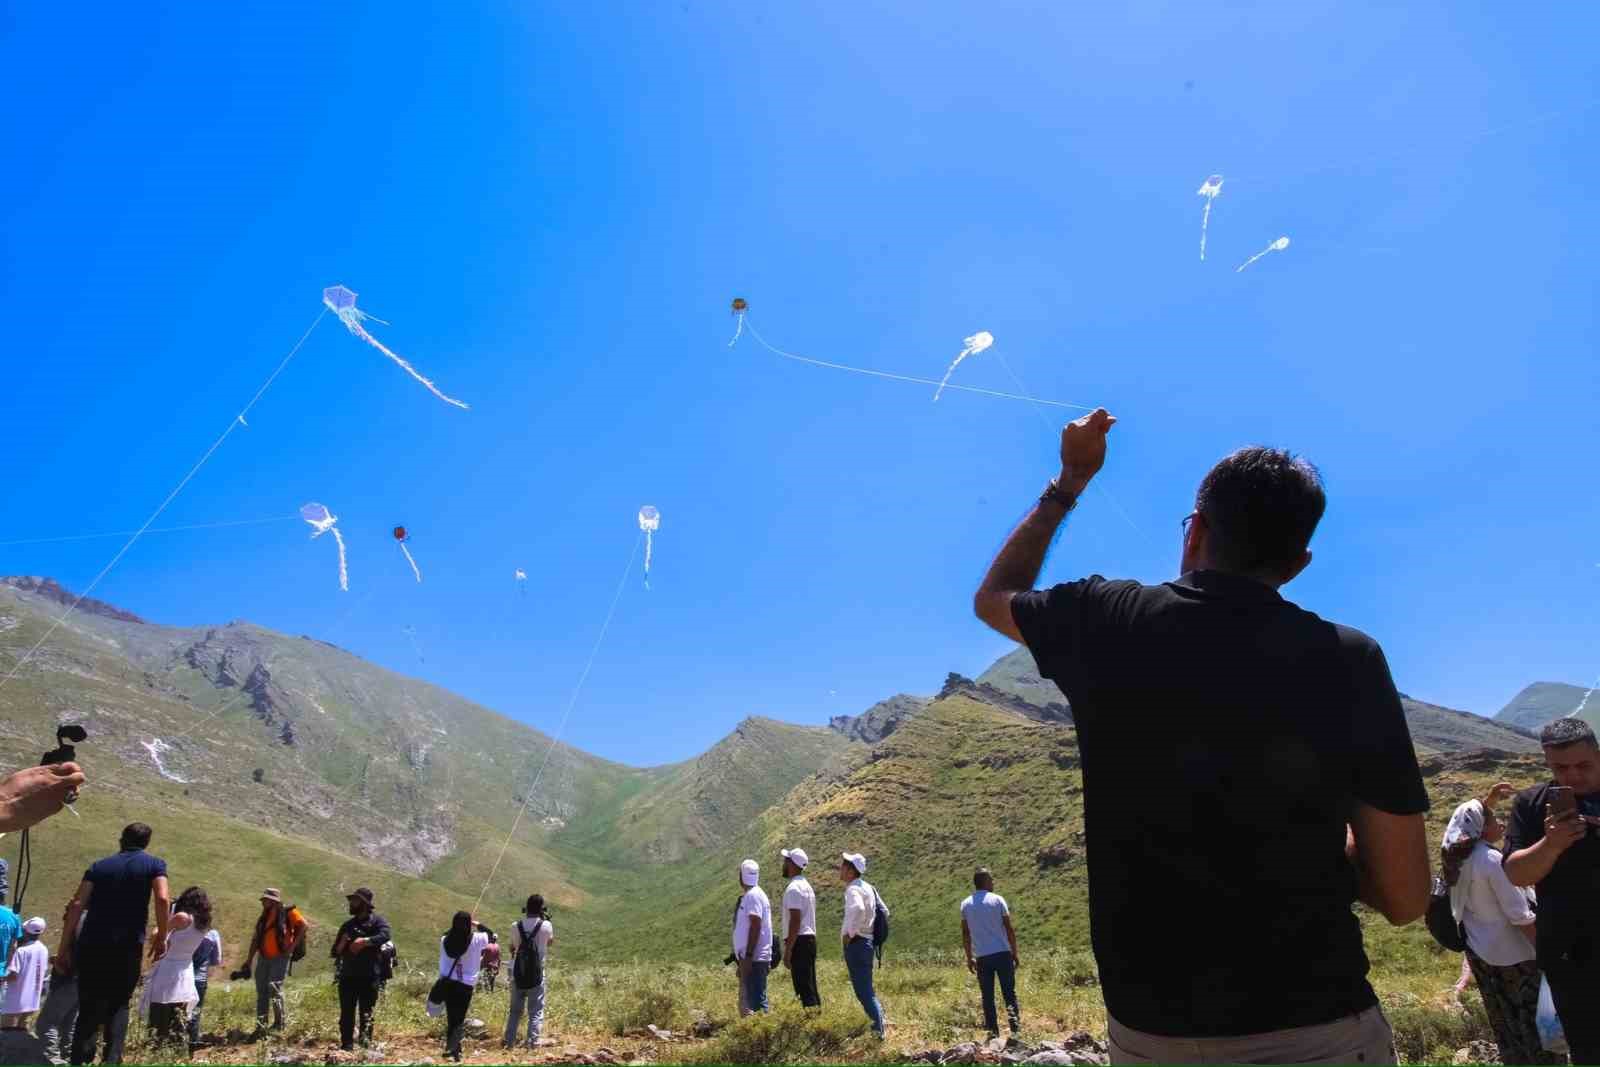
[[738, 308], [522, 581], [1277, 246], [322, 521], [649, 522], [1211, 188], [975, 344], [400, 538], [342, 302]]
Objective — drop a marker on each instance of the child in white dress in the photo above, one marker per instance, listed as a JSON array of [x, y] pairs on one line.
[[24, 978]]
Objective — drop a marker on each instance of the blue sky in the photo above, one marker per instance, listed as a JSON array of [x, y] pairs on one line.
[[554, 203]]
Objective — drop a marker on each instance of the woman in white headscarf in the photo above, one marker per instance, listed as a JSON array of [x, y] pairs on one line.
[[1499, 921]]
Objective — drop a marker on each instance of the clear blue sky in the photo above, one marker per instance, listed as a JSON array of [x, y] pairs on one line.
[[554, 203]]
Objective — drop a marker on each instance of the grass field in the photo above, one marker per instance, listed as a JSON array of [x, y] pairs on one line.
[[929, 1001]]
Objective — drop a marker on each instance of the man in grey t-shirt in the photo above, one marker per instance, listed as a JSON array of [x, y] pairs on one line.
[[991, 946]]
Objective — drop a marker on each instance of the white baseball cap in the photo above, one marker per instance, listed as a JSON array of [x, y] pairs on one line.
[[34, 926], [797, 856], [749, 872], [856, 860]]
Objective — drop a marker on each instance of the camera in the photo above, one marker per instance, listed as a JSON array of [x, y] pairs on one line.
[[67, 736], [730, 959]]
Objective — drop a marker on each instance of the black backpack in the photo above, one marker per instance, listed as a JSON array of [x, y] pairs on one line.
[[527, 969], [387, 954], [1441, 923], [880, 923]]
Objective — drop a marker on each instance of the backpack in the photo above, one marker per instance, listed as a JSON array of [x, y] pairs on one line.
[[527, 969], [386, 957], [880, 923], [298, 953], [1441, 923]]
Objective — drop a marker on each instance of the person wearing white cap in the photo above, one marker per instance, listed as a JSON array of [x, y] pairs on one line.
[[800, 928], [860, 906], [24, 983], [752, 939]]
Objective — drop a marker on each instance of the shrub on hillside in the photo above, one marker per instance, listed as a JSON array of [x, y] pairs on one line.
[[788, 1036]]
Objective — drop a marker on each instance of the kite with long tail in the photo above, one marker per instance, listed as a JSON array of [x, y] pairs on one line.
[[342, 302]]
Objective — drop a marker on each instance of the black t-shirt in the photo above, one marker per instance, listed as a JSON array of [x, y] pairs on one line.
[[1569, 896], [1225, 736], [363, 964], [119, 903]]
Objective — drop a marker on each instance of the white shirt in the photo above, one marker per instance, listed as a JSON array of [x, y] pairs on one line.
[[754, 902], [859, 905], [25, 978], [541, 939], [1493, 910], [799, 896], [467, 973], [171, 981]]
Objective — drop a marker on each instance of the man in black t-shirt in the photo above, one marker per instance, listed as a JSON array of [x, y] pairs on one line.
[[1561, 855], [358, 949], [1247, 771], [117, 892]]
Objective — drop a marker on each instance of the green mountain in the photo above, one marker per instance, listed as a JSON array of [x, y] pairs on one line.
[[1541, 702], [288, 758], [264, 759]]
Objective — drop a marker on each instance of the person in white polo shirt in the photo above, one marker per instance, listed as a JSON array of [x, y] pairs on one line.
[[860, 905], [800, 928], [991, 946], [752, 939]]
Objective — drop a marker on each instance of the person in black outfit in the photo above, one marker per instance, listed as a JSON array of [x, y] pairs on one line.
[[358, 950], [1561, 855], [106, 953], [1237, 751]]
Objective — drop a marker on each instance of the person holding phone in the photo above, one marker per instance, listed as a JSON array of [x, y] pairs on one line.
[[1553, 843]]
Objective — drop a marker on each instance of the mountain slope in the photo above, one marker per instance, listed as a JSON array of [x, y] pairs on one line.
[[1433, 728], [1541, 702]]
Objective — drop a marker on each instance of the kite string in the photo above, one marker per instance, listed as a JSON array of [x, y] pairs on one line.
[[1100, 487], [555, 739], [233, 422], [158, 529], [749, 326]]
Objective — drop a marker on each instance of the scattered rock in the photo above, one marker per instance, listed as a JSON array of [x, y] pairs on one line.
[[1010, 1057], [658, 1033], [928, 1055], [1053, 1058], [966, 1052], [477, 1028], [1478, 1052]]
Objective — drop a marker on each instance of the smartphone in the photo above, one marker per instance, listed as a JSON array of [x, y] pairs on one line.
[[1561, 802]]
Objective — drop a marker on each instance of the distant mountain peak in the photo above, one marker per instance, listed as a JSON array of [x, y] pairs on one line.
[[50, 589]]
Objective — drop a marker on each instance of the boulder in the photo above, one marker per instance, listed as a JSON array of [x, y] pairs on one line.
[[1478, 1052], [967, 1052]]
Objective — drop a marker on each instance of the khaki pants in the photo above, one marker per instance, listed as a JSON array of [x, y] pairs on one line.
[[1363, 1038]]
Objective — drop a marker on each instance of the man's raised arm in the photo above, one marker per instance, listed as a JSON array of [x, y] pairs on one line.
[[1021, 558]]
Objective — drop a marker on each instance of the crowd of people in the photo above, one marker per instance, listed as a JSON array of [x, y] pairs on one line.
[[1248, 775]]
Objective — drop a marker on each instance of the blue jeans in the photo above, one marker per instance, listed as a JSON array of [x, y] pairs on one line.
[[533, 1000], [858, 959], [998, 965], [753, 988]]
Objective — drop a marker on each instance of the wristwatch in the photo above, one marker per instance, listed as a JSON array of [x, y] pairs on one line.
[[1054, 494]]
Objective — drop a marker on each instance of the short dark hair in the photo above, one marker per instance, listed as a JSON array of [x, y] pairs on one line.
[[1566, 731], [535, 905], [136, 835], [980, 876], [193, 901], [1261, 505]]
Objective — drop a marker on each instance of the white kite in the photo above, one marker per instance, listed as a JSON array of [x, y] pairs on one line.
[[1211, 188], [975, 344], [649, 522], [342, 302], [323, 521], [522, 581], [1277, 246]]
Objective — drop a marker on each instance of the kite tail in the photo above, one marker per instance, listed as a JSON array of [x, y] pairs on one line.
[[344, 574], [1247, 262], [411, 561], [361, 332], [965, 352], [1205, 218], [737, 330], [649, 542]]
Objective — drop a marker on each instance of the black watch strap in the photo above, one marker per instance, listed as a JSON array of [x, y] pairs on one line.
[[1054, 494]]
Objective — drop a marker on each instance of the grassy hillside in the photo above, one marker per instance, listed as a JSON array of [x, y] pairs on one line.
[[1017, 674], [239, 727], [1543, 701]]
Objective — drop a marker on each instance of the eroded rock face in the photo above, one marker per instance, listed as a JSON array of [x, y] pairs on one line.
[[51, 590]]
